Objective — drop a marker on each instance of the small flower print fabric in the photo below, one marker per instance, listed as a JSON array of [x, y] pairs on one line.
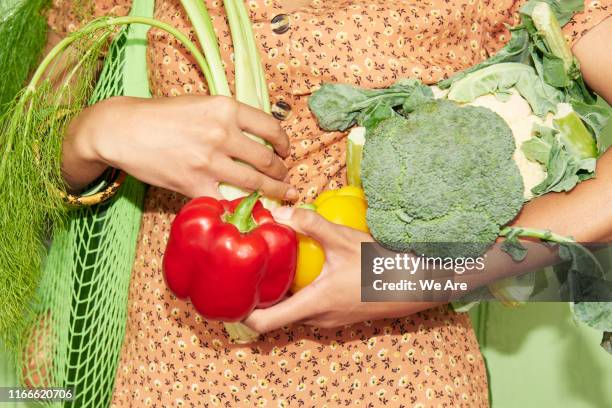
[[173, 358]]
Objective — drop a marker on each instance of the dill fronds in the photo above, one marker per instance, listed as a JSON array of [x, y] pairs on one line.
[[23, 30], [31, 133]]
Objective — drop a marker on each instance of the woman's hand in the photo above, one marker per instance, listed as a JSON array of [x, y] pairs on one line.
[[334, 298], [185, 144]]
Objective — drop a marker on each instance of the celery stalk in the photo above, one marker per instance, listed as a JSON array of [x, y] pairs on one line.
[[573, 133], [548, 26], [354, 152], [254, 57], [202, 24], [246, 80], [250, 80]]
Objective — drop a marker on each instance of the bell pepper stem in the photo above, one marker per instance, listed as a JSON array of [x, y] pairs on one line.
[[241, 217], [241, 333]]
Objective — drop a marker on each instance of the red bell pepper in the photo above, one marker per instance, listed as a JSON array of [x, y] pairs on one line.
[[229, 257]]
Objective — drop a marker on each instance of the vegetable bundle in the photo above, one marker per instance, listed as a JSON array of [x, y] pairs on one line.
[[446, 167]]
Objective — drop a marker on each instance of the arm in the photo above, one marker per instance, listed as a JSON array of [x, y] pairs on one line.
[[185, 144], [583, 213], [594, 52]]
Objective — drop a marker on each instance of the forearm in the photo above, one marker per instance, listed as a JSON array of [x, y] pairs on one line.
[[594, 52], [81, 163], [584, 213]]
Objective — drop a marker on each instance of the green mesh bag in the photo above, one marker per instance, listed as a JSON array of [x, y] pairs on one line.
[[81, 310]]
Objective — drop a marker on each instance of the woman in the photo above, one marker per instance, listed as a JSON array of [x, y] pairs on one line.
[[171, 357]]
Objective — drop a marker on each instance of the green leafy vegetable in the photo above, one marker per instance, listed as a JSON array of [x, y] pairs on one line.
[[568, 152], [513, 247], [494, 79], [563, 10], [340, 106], [520, 48], [31, 130], [516, 50], [598, 315], [596, 117], [23, 30]]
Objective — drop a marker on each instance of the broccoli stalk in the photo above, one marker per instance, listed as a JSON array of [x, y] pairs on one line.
[[354, 153], [573, 133]]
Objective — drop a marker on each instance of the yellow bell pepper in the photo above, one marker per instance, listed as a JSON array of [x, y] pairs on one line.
[[346, 206]]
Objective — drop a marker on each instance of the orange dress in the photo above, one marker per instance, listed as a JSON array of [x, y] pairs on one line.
[[173, 358]]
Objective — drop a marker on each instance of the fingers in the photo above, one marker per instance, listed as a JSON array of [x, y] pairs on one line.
[[261, 124], [301, 306], [248, 178], [264, 159], [207, 188], [308, 222]]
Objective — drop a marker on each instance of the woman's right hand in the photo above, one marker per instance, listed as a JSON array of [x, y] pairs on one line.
[[186, 144]]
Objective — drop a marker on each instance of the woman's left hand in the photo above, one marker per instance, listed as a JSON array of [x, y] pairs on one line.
[[334, 298]]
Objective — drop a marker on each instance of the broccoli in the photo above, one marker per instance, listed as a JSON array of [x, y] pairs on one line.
[[443, 174]]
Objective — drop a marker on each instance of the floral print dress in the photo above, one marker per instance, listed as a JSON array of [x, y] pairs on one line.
[[173, 358]]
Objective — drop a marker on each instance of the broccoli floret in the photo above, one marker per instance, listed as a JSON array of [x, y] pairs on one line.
[[443, 174]]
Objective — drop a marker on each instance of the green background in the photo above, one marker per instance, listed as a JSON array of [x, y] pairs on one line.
[[538, 356]]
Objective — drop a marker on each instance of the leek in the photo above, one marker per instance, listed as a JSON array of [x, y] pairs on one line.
[[249, 76]]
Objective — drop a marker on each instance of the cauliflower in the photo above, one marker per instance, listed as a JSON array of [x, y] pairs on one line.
[[518, 115]]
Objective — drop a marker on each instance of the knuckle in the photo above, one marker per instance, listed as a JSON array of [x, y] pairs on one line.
[[252, 181], [201, 160], [268, 159], [310, 220], [224, 106], [216, 136]]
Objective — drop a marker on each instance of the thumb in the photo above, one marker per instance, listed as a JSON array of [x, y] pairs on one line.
[[300, 306], [306, 222]]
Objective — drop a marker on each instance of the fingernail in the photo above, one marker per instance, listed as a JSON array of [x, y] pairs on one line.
[[292, 194], [282, 213]]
